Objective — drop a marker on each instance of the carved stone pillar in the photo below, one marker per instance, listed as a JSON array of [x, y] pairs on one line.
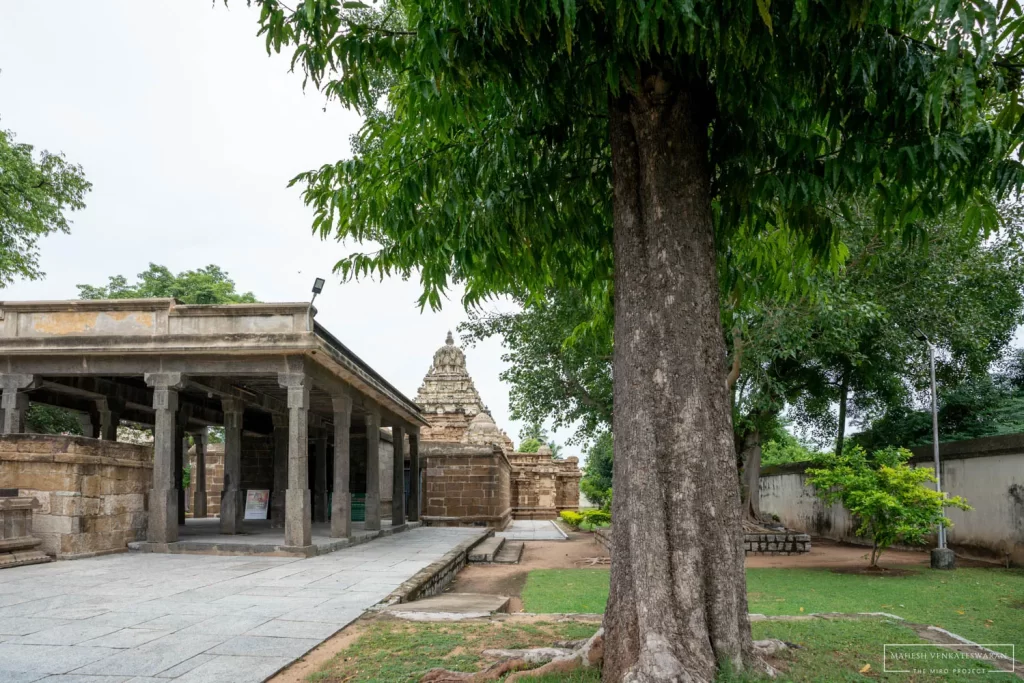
[[163, 498], [320, 477], [414, 476], [232, 502], [14, 401], [372, 472], [280, 471], [341, 501], [199, 476], [297, 531], [109, 411], [398, 477], [180, 451]]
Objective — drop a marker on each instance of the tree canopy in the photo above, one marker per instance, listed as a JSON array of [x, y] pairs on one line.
[[618, 149], [37, 191], [209, 285]]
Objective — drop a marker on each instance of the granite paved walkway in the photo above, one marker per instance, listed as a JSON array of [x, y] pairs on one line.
[[155, 618], [532, 530]]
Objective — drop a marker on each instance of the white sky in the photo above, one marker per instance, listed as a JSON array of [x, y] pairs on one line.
[[189, 134]]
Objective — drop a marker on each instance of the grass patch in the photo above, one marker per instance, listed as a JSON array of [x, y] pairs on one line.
[[840, 650], [399, 652], [573, 591], [974, 603], [980, 604]]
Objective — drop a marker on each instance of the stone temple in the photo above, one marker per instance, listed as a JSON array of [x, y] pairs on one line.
[[319, 450], [474, 476]]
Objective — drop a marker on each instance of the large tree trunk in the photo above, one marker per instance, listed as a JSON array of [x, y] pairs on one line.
[[844, 396], [678, 602], [750, 455]]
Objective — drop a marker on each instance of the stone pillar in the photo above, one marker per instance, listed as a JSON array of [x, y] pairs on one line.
[[320, 477], [163, 498], [341, 501], [180, 450], [232, 501], [199, 476], [14, 401], [398, 477], [372, 472], [85, 421], [297, 500], [280, 471], [414, 476], [109, 411]]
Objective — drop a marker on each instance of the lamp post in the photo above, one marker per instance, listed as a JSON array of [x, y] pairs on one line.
[[942, 557], [318, 286]]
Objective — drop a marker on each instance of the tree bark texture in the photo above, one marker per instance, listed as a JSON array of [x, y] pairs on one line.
[[678, 603], [844, 396], [750, 456]]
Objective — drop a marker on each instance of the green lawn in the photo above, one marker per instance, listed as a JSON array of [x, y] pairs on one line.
[[397, 652], [985, 605]]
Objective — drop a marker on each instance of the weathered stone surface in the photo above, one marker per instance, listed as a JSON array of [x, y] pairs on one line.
[[91, 493], [488, 485], [17, 544]]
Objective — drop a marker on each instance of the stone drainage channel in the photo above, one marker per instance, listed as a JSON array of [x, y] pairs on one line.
[[148, 617]]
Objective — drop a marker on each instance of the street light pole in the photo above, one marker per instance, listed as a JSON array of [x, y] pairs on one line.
[[935, 437], [942, 557]]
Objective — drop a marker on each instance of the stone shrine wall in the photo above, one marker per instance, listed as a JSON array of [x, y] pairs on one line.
[[91, 493], [543, 487], [466, 485], [530, 485]]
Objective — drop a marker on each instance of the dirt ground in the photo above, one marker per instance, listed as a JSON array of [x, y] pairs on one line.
[[508, 579]]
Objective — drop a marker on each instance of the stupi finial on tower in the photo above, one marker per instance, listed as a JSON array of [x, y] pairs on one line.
[[449, 340]]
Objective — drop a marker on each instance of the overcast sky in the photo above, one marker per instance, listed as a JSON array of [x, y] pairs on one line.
[[189, 134]]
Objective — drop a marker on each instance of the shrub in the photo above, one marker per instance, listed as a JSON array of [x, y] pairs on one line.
[[597, 517], [573, 519], [884, 494]]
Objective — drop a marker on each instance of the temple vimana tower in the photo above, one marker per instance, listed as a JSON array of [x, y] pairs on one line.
[[473, 474]]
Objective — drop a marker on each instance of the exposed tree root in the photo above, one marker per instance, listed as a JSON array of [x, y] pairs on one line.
[[564, 658], [588, 653]]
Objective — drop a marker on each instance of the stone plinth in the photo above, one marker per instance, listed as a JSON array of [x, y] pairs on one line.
[[17, 544], [91, 493], [781, 543], [466, 485]]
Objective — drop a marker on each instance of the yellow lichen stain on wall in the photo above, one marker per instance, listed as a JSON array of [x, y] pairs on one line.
[[69, 323], [64, 323]]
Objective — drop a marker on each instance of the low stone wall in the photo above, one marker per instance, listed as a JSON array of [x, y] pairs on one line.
[[432, 580], [988, 472], [789, 543], [466, 485], [91, 493]]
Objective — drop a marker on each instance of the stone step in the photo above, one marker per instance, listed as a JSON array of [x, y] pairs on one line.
[[449, 606], [485, 550], [510, 552]]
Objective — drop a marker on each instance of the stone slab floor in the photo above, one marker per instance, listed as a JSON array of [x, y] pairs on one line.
[[532, 530], [158, 618]]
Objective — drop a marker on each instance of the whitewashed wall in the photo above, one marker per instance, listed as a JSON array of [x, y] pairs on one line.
[[988, 472]]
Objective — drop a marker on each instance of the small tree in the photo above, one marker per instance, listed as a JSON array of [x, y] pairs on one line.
[[530, 445], [596, 483], [884, 494]]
